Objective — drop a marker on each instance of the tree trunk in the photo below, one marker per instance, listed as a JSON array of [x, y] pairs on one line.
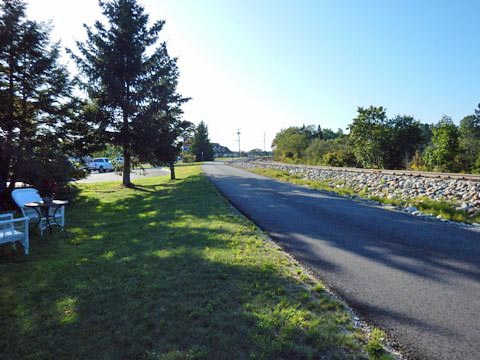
[[11, 183], [126, 167], [126, 146], [12, 177], [9, 159], [172, 171], [3, 192]]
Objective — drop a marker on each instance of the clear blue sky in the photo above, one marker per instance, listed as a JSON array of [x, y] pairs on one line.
[[265, 65]]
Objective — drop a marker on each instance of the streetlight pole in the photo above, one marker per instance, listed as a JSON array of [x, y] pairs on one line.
[[238, 134]]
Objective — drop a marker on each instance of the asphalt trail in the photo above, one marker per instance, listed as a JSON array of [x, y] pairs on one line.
[[418, 279], [95, 177]]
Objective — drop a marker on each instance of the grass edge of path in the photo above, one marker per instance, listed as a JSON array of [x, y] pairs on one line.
[[377, 343]]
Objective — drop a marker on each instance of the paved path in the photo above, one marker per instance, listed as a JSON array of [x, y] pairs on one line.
[[111, 176], [418, 279]]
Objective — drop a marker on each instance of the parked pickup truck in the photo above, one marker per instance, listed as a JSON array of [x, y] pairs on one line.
[[100, 165]]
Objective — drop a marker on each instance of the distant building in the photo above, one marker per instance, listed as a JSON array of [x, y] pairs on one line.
[[187, 143], [220, 151]]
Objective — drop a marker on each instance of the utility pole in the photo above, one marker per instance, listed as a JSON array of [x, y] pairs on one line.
[[238, 134], [264, 148]]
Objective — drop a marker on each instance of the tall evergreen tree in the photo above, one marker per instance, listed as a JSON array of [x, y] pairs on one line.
[[124, 68], [35, 97], [160, 124], [201, 146]]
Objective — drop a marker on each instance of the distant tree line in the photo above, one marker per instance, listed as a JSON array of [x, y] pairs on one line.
[[125, 95], [376, 141]]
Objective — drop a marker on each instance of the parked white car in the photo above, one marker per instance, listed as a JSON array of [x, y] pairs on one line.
[[100, 165], [118, 160]]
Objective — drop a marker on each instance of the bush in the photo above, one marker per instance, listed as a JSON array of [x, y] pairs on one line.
[[330, 152], [476, 166], [417, 162], [188, 157], [49, 175], [340, 158], [291, 144]]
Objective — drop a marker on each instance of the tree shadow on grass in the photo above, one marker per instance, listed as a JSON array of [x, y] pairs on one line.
[[181, 303]]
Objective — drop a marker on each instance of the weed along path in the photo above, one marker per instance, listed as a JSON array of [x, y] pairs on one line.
[[417, 279]]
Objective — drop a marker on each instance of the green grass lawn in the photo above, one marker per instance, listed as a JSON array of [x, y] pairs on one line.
[[165, 271], [446, 209]]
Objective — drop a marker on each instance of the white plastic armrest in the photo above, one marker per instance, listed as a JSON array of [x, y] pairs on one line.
[[15, 220], [6, 216]]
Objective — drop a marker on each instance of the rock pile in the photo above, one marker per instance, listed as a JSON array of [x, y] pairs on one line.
[[464, 193]]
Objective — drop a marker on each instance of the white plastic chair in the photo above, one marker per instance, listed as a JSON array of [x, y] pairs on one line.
[[26, 195], [8, 232]]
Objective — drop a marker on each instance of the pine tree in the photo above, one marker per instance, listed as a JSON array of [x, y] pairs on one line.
[[168, 144], [35, 97], [201, 146], [124, 75], [160, 124]]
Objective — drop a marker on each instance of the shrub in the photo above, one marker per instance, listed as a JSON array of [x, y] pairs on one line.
[[330, 152], [417, 162], [188, 157], [340, 158], [476, 166]]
